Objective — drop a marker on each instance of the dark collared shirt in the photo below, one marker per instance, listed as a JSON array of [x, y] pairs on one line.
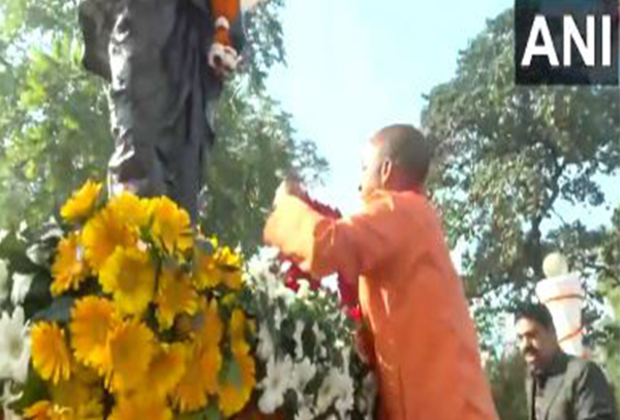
[[570, 389]]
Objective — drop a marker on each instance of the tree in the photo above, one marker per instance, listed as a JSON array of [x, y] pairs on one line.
[[507, 378], [507, 156], [609, 274], [54, 128]]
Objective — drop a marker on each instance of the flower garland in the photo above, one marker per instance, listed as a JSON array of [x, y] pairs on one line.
[[348, 292]]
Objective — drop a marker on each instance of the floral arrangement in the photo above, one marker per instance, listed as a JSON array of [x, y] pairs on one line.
[[305, 346], [125, 311]]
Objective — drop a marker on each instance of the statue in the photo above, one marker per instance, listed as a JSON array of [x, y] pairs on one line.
[[166, 61]]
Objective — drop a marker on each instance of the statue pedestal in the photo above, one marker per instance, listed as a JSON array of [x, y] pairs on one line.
[[563, 295]]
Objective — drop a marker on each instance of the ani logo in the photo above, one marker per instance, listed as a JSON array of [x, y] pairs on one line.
[[571, 42]]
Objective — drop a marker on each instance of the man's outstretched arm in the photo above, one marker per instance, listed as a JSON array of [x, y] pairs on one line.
[[322, 246]]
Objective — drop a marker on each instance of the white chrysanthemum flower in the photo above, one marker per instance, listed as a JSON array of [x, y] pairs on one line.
[[320, 339], [260, 265], [345, 393], [304, 289], [303, 372], [8, 398], [286, 294], [4, 280], [278, 317], [304, 413], [299, 345], [265, 348], [21, 286], [275, 384], [336, 387], [14, 346], [318, 333], [326, 394], [346, 357], [369, 394], [271, 285]]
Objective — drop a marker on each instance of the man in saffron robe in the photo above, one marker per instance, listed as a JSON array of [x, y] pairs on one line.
[[424, 340]]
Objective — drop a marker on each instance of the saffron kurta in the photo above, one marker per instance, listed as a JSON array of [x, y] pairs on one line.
[[425, 343]]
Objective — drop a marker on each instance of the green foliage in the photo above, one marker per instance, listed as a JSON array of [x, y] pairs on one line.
[[609, 273], [507, 378], [54, 123], [33, 390], [507, 156]]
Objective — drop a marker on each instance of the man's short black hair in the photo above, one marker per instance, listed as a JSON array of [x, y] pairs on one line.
[[536, 312]]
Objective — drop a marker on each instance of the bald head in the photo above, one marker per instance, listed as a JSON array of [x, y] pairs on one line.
[[406, 148]]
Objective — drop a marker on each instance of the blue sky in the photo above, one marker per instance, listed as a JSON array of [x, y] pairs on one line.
[[357, 65]]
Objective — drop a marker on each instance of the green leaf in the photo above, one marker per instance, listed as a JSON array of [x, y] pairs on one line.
[[212, 412], [197, 415], [232, 373], [14, 250], [59, 310], [205, 245]]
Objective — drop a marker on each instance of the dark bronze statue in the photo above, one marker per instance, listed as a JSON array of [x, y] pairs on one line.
[[165, 61]]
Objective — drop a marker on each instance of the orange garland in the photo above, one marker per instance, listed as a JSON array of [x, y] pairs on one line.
[[579, 330], [228, 9], [562, 297]]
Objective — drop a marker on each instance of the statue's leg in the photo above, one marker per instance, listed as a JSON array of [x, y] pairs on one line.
[[192, 130], [133, 165], [160, 84]]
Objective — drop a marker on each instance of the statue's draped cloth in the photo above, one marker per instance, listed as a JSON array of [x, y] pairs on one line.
[[154, 54]]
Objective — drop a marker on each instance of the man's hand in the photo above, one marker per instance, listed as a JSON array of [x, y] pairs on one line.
[[289, 186]]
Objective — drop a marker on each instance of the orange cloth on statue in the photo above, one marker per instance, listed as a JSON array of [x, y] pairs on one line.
[[425, 341], [229, 9]]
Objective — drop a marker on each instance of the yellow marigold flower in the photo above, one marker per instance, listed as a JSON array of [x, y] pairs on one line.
[[237, 325], [45, 410], [132, 210], [166, 369], [212, 328], [184, 326], [129, 276], [82, 202], [69, 268], [83, 399], [175, 295], [141, 406], [38, 411], [131, 348], [206, 272], [234, 397], [92, 321], [103, 234], [171, 228], [200, 378], [237, 329], [50, 354], [230, 265], [92, 410]]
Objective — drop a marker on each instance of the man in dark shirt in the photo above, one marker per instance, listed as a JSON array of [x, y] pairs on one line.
[[559, 386]]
